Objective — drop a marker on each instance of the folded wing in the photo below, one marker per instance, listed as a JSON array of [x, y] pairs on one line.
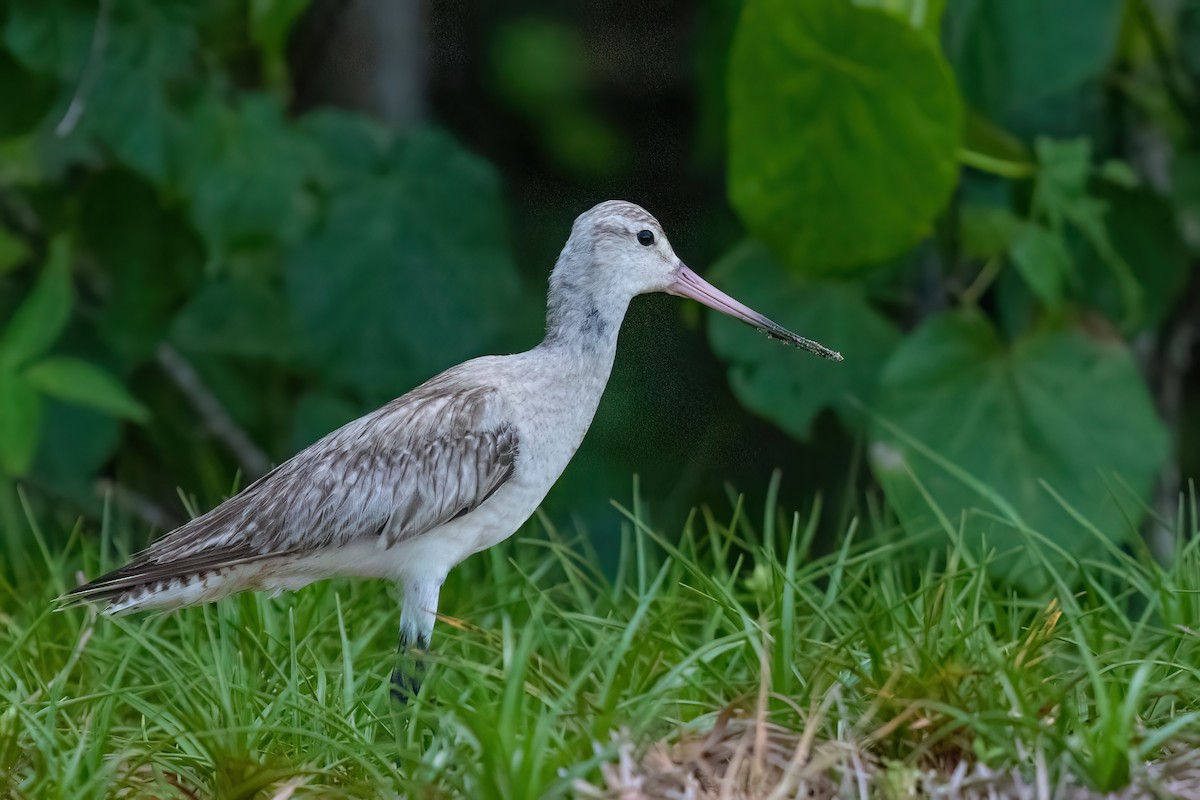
[[434, 454]]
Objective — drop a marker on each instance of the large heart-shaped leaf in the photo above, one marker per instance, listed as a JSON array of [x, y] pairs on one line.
[[782, 384], [1056, 407], [844, 129], [924, 15], [408, 272], [1010, 55]]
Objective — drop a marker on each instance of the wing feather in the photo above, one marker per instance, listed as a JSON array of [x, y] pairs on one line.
[[434, 454]]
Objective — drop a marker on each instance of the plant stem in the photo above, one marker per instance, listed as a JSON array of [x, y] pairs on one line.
[[252, 460], [1016, 170], [970, 296]]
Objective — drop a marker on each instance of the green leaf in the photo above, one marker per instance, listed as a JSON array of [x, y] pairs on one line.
[[39, 320], [407, 272], [1119, 173], [1043, 261], [27, 97], [539, 67], [987, 231], [1187, 31], [1185, 190], [1055, 406], [85, 384], [585, 143], [538, 63], [249, 321], [1062, 178], [147, 61], [20, 418], [990, 148], [1012, 55], [19, 167], [1143, 232], [245, 169], [150, 256], [985, 136], [780, 383], [270, 23], [349, 145], [835, 111], [1061, 195], [12, 250], [73, 444], [924, 15], [50, 38]]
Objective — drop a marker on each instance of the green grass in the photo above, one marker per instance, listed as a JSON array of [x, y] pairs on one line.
[[906, 650]]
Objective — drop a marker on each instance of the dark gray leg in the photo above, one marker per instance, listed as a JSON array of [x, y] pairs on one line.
[[410, 668]]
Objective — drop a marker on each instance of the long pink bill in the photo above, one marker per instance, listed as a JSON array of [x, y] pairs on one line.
[[689, 284]]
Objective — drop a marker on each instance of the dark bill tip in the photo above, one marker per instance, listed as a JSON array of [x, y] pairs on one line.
[[689, 284]]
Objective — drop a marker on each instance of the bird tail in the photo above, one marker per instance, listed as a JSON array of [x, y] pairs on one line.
[[146, 584]]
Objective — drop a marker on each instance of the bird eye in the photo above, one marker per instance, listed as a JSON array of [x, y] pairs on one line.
[[646, 238]]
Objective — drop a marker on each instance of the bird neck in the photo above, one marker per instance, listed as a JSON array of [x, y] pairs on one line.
[[583, 321]]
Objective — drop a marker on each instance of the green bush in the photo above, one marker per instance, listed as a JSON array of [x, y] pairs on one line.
[[979, 202]]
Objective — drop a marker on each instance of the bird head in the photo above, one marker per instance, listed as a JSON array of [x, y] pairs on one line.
[[618, 250]]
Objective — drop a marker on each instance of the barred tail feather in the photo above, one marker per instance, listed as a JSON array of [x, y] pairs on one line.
[[145, 584]]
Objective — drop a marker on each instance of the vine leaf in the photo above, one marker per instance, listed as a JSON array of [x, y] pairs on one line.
[[1056, 407]]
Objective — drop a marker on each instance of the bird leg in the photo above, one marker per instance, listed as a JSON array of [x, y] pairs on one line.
[[410, 667], [416, 628]]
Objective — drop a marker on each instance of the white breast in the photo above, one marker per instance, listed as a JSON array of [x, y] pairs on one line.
[[552, 399]]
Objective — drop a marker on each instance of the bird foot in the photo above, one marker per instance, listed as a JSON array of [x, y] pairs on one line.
[[405, 686], [406, 680]]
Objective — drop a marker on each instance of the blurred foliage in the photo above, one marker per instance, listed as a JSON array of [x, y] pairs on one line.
[[311, 258], [1016, 379], [1022, 418], [981, 203], [28, 376], [860, 104], [771, 380]]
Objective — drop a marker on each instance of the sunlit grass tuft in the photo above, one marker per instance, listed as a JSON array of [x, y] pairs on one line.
[[904, 653]]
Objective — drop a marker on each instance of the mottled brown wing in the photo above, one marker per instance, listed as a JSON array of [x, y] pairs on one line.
[[418, 462]]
